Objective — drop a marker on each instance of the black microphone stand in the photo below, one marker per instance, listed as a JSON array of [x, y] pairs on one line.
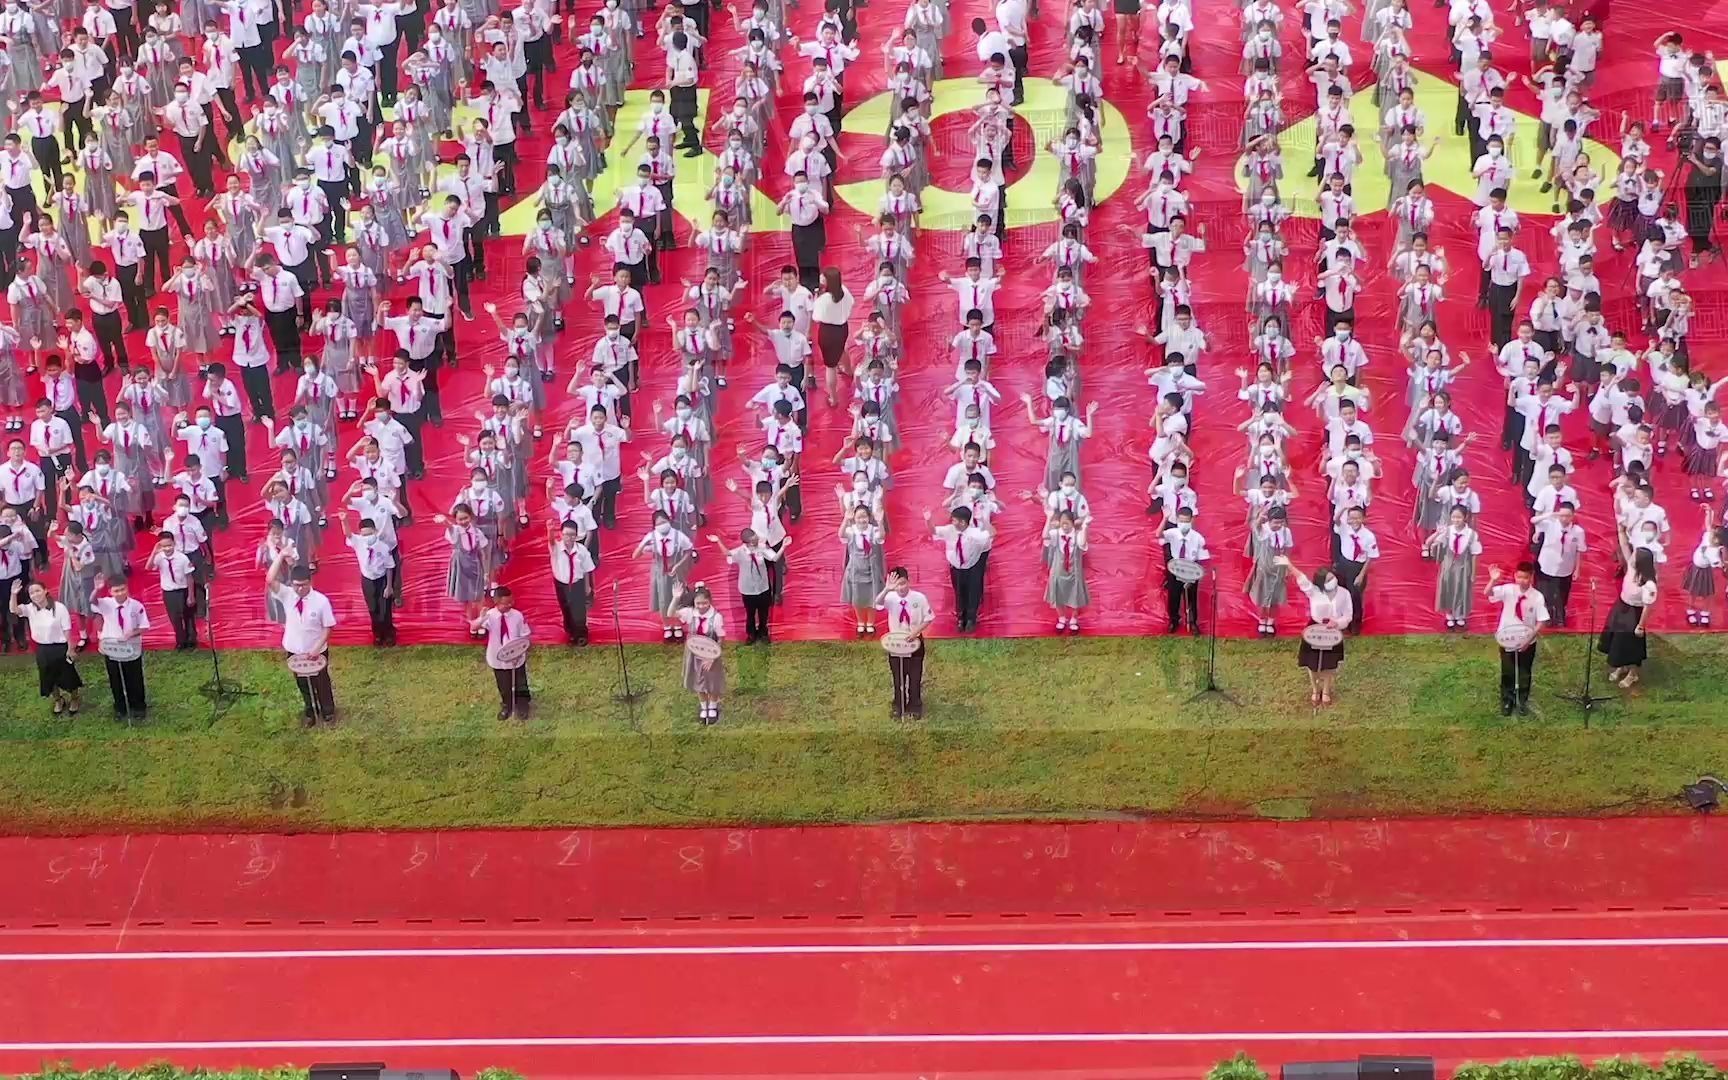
[[1584, 699], [626, 696], [221, 693], [1212, 691]]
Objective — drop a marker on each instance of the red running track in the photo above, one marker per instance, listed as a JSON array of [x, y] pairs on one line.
[[1135, 949]]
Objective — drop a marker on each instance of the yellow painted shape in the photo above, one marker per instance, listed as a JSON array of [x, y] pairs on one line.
[[1045, 108], [689, 188], [1449, 168]]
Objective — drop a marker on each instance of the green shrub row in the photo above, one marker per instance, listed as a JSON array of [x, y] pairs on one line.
[[1562, 1067]]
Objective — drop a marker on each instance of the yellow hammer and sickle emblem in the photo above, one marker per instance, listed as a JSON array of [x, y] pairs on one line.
[[1449, 168], [1044, 109]]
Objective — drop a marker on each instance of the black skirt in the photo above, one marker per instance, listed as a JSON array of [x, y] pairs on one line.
[[1319, 659], [831, 341], [1620, 642], [54, 672]]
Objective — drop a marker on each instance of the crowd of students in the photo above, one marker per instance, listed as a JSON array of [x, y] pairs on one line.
[[327, 181]]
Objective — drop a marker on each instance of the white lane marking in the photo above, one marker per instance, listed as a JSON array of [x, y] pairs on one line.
[[901, 948], [1595, 1035]]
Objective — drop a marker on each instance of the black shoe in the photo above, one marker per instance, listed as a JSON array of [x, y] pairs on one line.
[[504, 713], [1524, 706], [1505, 706], [307, 719]]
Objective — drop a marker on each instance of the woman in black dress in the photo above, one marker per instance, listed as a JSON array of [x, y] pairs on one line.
[[1703, 193], [1623, 641]]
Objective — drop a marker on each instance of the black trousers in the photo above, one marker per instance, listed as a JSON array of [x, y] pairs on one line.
[[284, 327], [756, 609], [1347, 571], [387, 71], [808, 244], [414, 452], [126, 683], [1517, 671], [200, 160], [336, 221], [256, 380], [182, 607], [379, 610], [255, 69], [573, 606], [607, 508], [513, 693], [316, 694], [1176, 595], [75, 121], [131, 296], [155, 263], [54, 467], [1556, 594], [175, 210], [968, 591], [111, 333], [47, 153], [908, 675], [233, 428], [1502, 300]]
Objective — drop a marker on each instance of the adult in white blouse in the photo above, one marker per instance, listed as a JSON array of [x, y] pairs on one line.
[[908, 612], [1521, 604], [51, 629], [832, 314], [1329, 605], [1623, 639], [306, 624]]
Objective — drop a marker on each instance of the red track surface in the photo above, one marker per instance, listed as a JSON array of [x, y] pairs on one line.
[[1093, 950]]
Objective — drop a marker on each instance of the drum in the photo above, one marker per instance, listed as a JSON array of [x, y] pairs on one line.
[[900, 643], [1187, 571], [702, 647], [121, 650], [1516, 637], [306, 665], [1323, 637], [512, 654]]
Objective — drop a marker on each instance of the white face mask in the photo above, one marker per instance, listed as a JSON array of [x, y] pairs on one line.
[[1332, 586], [182, 511], [1184, 528], [860, 485], [1341, 335], [803, 185], [479, 486], [663, 528], [1059, 414], [656, 107]]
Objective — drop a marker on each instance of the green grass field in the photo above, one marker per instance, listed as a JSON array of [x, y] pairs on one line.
[[1027, 728]]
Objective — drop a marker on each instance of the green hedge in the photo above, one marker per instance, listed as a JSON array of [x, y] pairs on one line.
[[1564, 1067], [161, 1070]]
